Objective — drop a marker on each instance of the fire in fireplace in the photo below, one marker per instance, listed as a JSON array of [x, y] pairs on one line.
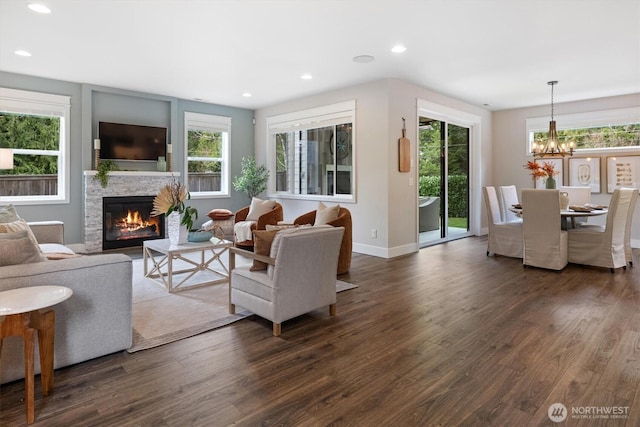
[[127, 221]]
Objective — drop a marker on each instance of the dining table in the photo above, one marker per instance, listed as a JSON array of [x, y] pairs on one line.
[[569, 214]]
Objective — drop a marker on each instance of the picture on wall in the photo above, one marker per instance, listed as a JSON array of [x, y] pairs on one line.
[[623, 171], [585, 172], [558, 173]]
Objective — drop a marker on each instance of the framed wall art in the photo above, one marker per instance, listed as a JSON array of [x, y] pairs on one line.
[[585, 172], [558, 176], [623, 171]]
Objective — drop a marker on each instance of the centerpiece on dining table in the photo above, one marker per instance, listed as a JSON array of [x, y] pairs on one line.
[[170, 202], [545, 170]]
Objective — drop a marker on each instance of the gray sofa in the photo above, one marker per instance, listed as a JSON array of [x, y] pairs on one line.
[[95, 321]]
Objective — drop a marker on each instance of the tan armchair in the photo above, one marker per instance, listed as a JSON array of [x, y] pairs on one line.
[[343, 220], [272, 217]]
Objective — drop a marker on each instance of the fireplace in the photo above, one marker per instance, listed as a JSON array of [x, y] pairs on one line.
[[127, 222]]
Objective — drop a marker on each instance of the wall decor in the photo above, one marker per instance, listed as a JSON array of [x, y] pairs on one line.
[[558, 172], [623, 171], [585, 172]]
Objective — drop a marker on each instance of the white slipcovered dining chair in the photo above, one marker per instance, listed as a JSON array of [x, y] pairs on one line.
[[604, 246], [508, 198], [300, 276], [578, 196], [545, 244], [505, 238], [628, 253]]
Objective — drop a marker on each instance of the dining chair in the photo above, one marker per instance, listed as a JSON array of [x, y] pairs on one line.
[[505, 238], [578, 196], [604, 246], [628, 253], [545, 243], [508, 198]]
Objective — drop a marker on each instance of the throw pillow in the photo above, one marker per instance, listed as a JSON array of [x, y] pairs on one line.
[[220, 214], [17, 248], [326, 214], [262, 241], [55, 251], [19, 225], [8, 214], [259, 207]]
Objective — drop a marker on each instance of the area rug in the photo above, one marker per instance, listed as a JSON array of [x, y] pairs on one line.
[[160, 317]]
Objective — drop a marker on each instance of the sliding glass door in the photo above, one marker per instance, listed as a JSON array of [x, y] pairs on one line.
[[443, 203]]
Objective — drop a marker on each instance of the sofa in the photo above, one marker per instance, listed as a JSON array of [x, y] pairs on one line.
[[94, 321]]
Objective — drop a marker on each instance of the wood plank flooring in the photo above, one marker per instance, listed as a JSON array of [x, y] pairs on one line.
[[443, 337]]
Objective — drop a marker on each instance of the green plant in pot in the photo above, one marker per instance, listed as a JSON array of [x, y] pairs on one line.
[[104, 167], [253, 179]]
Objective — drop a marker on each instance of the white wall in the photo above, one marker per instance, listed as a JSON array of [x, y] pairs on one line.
[[509, 141], [385, 199]]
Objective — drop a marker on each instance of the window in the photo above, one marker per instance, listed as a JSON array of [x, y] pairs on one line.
[[36, 127], [591, 132], [207, 141], [311, 153]]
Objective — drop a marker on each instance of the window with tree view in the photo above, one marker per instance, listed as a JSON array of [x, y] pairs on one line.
[[313, 152], [207, 139], [35, 127], [600, 130]]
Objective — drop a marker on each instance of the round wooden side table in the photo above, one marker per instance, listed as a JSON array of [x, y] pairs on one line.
[[22, 312]]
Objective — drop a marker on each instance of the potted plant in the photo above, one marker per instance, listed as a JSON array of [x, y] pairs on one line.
[[170, 202], [253, 179], [104, 167]]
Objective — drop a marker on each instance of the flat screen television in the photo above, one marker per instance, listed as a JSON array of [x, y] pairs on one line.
[[131, 142]]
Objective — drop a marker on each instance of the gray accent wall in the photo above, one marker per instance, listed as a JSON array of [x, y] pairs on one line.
[[91, 104]]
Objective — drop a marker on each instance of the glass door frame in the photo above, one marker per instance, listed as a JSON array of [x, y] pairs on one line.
[[473, 122]]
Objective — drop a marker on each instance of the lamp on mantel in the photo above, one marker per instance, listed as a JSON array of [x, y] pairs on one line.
[[552, 148], [6, 158]]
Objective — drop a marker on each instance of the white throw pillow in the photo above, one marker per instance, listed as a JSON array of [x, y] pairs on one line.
[[326, 214], [259, 207]]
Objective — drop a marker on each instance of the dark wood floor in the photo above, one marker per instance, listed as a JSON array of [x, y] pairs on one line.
[[443, 337]]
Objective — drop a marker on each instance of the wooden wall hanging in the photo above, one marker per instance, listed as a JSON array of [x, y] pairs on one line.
[[404, 147]]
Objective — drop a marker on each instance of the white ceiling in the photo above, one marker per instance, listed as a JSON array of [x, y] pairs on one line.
[[495, 52]]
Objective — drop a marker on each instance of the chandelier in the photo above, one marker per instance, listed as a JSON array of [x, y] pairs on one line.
[[552, 148]]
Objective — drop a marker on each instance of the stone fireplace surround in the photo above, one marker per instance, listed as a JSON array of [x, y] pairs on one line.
[[121, 183]]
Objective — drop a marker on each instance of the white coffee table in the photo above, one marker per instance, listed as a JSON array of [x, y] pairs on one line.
[[162, 270], [23, 311]]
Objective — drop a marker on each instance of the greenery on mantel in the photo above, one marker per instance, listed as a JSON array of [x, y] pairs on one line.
[[104, 167]]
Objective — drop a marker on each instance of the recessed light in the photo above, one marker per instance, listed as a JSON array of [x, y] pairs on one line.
[[363, 59], [246, 95], [20, 52], [38, 7], [306, 77], [398, 48]]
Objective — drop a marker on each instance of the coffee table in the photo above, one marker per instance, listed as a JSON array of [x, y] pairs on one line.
[[23, 311], [162, 270]]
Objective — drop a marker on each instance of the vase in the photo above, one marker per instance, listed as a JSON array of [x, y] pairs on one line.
[[550, 183], [177, 232]]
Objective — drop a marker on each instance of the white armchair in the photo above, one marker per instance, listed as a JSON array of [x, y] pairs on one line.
[[300, 277]]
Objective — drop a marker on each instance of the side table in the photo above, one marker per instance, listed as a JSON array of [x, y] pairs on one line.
[[22, 312]]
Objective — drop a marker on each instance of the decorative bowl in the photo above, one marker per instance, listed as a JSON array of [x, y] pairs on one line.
[[200, 236]]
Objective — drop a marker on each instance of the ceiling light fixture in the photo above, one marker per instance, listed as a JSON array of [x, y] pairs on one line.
[[398, 48], [21, 52], [363, 59], [306, 77], [40, 8], [551, 148], [246, 95]]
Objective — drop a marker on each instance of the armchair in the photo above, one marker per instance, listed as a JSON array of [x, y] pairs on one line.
[[343, 220], [271, 217], [300, 276]]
